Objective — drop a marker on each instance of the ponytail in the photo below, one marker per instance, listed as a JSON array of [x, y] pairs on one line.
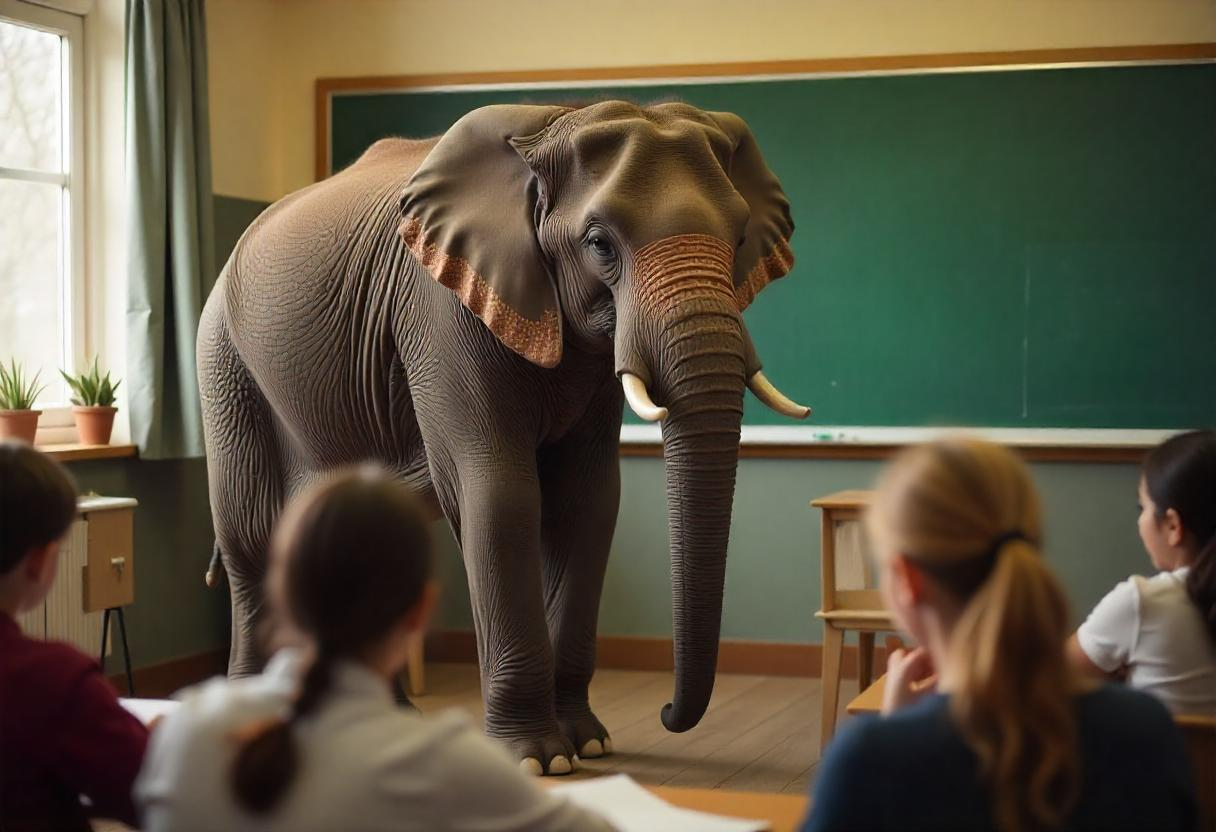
[[965, 513], [268, 758], [1010, 696], [1201, 584]]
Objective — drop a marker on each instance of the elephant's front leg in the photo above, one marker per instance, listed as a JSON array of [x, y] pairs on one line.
[[581, 483], [500, 538]]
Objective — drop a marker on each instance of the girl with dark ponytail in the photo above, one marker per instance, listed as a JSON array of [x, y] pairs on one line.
[[316, 742], [1159, 633], [985, 725]]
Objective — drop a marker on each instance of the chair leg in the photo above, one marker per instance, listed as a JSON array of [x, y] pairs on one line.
[[126, 652], [865, 660], [105, 632], [417, 667], [833, 648]]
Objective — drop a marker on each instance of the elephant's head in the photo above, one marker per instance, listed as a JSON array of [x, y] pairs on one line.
[[641, 231]]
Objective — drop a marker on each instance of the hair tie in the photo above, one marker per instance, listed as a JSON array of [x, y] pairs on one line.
[[998, 543], [965, 576]]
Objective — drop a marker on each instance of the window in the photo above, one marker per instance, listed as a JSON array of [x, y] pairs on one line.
[[41, 192]]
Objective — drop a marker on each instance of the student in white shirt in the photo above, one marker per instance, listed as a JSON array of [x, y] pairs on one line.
[[1159, 633], [316, 742]]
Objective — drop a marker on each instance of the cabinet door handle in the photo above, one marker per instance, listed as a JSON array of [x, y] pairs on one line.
[[118, 564]]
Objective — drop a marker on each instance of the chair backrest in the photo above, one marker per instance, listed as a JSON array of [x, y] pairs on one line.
[[848, 582], [1199, 732]]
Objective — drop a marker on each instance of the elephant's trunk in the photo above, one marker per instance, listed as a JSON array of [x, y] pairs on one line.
[[695, 345]]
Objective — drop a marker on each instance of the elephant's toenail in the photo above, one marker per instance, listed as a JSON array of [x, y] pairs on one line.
[[592, 749], [531, 765], [559, 765], [607, 745]]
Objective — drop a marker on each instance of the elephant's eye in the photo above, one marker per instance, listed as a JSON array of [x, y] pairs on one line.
[[601, 246]]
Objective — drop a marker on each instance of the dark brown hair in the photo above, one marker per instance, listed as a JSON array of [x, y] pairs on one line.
[[37, 502], [354, 554], [1180, 474]]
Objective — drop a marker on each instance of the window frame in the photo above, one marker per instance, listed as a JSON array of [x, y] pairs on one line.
[[73, 315]]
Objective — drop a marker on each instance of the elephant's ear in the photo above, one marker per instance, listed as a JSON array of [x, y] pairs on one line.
[[765, 254], [468, 216]]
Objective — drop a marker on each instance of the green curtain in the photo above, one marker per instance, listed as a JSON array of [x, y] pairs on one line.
[[170, 238]]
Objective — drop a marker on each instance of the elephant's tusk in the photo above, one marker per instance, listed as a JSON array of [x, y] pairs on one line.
[[774, 398], [639, 400]]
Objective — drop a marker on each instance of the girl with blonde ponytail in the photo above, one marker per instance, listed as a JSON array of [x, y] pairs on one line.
[[985, 725]]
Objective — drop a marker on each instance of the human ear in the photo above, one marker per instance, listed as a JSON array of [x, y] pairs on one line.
[[1171, 524], [419, 616]]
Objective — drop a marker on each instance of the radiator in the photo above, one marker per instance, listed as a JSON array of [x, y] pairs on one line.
[[61, 617]]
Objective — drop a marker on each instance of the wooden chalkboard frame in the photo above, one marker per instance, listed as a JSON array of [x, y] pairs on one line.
[[1098, 445]]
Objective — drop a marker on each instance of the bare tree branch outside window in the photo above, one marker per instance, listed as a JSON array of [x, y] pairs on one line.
[[32, 278]]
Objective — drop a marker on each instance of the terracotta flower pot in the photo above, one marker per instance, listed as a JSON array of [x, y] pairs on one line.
[[94, 424], [19, 424]]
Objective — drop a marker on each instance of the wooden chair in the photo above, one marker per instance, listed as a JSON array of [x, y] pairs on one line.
[[850, 600], [1199, 732]]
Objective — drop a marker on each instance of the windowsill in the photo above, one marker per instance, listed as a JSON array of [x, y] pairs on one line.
[[75, 452]]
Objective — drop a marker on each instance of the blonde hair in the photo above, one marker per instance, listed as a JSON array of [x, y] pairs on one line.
[[965, 512]]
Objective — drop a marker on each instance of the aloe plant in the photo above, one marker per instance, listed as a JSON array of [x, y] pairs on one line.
[[91, 389], [16, 391]]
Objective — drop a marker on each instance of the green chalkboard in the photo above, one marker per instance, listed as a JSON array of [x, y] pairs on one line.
[[1029, 248]]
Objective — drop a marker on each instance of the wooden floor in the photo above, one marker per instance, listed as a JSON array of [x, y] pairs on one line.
[[761, 733]]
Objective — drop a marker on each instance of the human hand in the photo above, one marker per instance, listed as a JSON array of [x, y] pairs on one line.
[[910, 675]]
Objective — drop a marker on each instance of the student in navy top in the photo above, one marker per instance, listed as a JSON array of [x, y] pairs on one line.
[[985, 725], [63, 734]]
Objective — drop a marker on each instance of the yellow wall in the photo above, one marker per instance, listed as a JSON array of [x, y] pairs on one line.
[[265, 55]]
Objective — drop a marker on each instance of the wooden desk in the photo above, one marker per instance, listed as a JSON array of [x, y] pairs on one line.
[[869, 701], [783, 811]]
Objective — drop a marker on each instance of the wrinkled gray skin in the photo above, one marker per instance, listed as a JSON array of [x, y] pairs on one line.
[[460, 309]]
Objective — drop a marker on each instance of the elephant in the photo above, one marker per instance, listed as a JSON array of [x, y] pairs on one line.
[[472, 311]]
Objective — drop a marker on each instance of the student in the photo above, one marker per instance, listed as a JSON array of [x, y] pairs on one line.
[[1159, 633], [985, 725], [317, 742], [63, 734]]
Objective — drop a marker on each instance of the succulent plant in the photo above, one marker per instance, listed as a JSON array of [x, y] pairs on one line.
[[17, 392], [91, 389]]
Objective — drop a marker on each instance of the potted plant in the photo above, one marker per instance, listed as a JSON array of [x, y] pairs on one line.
[[18, 419], [93, 404]]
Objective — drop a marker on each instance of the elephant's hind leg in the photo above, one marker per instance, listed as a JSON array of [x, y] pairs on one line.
[[245, 480]]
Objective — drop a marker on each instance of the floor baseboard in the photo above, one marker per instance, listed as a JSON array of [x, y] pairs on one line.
[[761, 658], [156, 681]]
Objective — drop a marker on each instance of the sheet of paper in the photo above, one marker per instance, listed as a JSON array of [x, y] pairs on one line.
[[146, 710], [630, 808]]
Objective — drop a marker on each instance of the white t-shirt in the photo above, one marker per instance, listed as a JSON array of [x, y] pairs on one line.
[[1151, 627], [364, 764]]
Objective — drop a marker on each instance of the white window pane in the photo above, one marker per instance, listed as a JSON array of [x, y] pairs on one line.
[[31, 314], [31, 87]]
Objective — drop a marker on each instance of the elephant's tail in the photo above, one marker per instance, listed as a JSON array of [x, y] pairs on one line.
[[215, 567]]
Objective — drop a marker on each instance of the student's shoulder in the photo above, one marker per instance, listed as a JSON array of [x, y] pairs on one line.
[[907, 732], [52, 666], [218, 702], [1120, 712]]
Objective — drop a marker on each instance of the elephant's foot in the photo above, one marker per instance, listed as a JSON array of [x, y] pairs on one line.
[[585, 732], [544, 753]]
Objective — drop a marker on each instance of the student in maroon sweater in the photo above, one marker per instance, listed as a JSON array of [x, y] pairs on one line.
[[63, 735]]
